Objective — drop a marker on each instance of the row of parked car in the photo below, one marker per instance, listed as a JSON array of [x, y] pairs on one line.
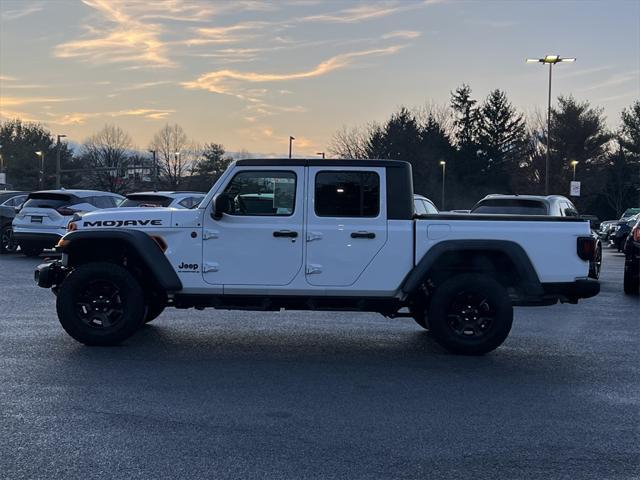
[[34, 221], [624, 235]]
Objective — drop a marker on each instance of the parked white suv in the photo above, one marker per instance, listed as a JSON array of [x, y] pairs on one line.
[[163, 199], [45, 215]]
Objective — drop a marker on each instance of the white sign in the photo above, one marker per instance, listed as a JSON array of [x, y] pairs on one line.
[[3, 178], [574, 189]]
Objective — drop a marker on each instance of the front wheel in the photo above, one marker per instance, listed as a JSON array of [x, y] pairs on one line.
[[470, 314], [100, 304]]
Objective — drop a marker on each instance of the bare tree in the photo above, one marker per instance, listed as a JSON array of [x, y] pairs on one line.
[[171, 144], [110, 148], [350, 142]]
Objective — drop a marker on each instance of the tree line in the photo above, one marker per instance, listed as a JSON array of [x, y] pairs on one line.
[[108, 160], [487, 146], [490, 147]]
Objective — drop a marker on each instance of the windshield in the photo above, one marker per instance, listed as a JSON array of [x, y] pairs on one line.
[[146, 201], [48, 200], [510, 207], [629, 212]]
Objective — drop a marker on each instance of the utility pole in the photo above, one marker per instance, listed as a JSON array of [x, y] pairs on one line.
[[291, 139], [58, 179]]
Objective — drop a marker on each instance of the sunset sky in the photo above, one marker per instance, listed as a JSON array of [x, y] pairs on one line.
[[249, 73]]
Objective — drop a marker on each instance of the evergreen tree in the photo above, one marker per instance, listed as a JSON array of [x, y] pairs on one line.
[[502, 139]]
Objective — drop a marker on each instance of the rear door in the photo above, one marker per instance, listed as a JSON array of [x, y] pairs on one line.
[[346, 223]]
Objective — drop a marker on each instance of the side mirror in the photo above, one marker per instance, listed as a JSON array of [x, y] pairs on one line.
[[220, 206]]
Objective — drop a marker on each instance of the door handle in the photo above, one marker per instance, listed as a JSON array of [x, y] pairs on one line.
[[285, 233], [363, 235]]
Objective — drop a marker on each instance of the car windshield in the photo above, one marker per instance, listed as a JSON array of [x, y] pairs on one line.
[[48, 200], [630, 212], [146, 201], [510, 207]]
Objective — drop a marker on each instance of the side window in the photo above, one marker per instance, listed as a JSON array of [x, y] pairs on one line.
[[418, 206], [347, 194], [102, 202], [431, 209], [185, 202], [262, 193]]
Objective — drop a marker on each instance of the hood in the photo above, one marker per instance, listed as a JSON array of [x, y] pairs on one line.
[[138, 218]]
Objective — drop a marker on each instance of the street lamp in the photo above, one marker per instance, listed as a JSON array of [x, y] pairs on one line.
[[444, 166], [551, 60], [574, 163], [58, 161], [41, 179], [291, 139], [321, 154]]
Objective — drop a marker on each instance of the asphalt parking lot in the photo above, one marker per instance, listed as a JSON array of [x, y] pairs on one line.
[[319, 395]]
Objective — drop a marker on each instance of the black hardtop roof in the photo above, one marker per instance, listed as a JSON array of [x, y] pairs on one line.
[[319, 162]]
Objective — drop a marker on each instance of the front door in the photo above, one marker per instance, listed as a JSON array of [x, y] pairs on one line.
[[259, 240], [347, 223]]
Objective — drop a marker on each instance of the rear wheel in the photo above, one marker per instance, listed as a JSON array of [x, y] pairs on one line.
[[100, 304], [7, 245], [596, 265], [470, 314], [632, 278]]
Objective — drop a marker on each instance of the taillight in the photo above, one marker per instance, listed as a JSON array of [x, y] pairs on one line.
[[586, 248], [635, 233], [65, 211], [71, 226]]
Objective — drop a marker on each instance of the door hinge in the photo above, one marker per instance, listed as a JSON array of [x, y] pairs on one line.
[[210, 267], [311, 236], [313, 268], [209, 234]]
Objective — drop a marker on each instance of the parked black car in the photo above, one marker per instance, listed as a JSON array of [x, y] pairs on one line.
[[632, 261], [622, 230], [10, 203], [553, 205]]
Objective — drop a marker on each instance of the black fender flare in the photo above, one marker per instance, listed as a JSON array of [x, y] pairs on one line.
[[145, 247], [530, 282]]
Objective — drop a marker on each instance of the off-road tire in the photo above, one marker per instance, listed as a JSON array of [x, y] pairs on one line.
[[460, 330], [73, 301]]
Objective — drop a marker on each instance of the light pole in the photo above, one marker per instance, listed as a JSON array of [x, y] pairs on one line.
[[551, 60], [58, 161], [40, 153], [291, 139], [444, 166], [155, 170], [321, 154], [574, 163]]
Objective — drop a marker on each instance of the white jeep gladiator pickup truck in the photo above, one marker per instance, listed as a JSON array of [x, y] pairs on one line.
[[316, 235]]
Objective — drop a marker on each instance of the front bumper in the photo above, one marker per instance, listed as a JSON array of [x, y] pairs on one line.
[[40, 240], [571, 292], [50, 274]]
